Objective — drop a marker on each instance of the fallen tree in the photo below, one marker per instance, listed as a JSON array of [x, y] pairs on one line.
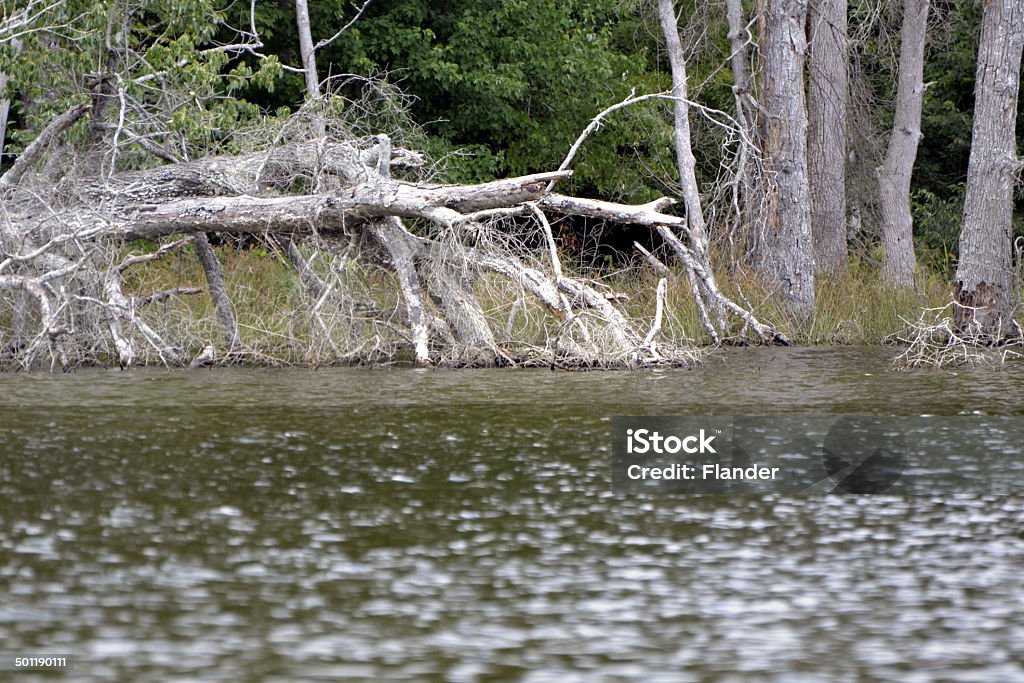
[[455, 256]]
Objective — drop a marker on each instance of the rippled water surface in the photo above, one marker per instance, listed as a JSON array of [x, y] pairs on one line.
[[287, 525]]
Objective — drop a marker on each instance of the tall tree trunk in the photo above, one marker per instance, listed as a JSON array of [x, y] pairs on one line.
[[895, 172], [684, 151], [984, 279], [788, 250], [746, 111], [309, 70], [828, 93], [306, 50], [685, 160], [740, 59]]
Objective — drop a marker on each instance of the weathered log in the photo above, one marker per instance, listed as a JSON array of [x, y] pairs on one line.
[[643, 214], [379, 198]]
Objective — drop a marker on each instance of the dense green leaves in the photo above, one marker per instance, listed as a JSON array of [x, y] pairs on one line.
[[501, 86]]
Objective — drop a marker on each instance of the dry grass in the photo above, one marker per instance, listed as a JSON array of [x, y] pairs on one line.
[[362, 320]]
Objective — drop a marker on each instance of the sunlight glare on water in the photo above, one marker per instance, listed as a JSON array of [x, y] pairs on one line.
[[460, 526]]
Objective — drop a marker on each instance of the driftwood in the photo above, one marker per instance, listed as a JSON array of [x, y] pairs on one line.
[[438, 266]]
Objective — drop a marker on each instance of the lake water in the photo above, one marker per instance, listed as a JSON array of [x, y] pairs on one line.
[[408, 525]]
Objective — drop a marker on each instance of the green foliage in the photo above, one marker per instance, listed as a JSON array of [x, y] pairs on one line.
[[501, 86], [159, 59], [937, 222], [948, 108]]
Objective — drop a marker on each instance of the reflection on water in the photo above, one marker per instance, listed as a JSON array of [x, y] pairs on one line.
[[460, 526]]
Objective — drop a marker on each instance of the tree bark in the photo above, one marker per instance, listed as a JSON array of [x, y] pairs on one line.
[[224, 311], [743, 84], [685, 160], [984, 276], [828, 93], [895, 173], [746, 113], [788, 247], [307, 51]]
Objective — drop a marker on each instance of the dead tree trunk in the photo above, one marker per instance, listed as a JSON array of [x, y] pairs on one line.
[[894, 174], [984, 277], [743, 83], [788, 246], [61, 253], [828, 93], [225, 311], [685, 160], [399, 245], [745, 188]]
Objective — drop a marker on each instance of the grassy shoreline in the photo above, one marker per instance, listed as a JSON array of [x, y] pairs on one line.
[[858, 309], [277, 328]]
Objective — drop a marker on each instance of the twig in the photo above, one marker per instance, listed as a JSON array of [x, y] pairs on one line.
[[359, 13]]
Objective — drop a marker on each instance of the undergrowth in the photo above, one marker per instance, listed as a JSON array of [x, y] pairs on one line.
[[272, 308]]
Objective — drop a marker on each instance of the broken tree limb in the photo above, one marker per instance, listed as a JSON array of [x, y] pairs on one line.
[[595, 123], [556, 263], [37, 147], [400, 245], [767, 333], [120, 307], [690, 265], [659, 312], [311, 282], [134, 260], [651, 259], [224, 310], [157, 297], [637, 214]]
